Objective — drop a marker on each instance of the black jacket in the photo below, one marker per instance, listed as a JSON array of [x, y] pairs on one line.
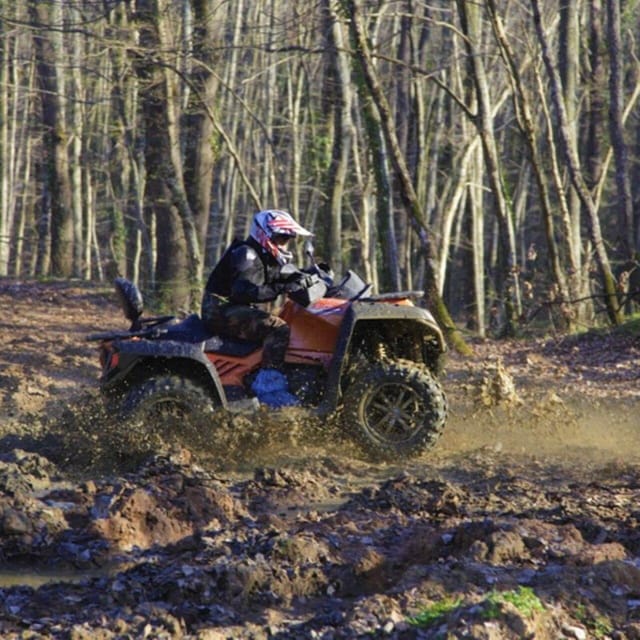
[[245, 274]]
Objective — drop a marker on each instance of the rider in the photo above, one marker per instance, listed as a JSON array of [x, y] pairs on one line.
[[250, 272]]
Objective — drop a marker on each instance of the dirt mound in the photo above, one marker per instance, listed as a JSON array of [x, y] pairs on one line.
[[521, 522]]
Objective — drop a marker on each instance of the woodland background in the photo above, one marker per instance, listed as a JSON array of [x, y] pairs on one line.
[[484, 152]]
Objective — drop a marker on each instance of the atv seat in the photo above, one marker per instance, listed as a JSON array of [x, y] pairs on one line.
[[192, 330]]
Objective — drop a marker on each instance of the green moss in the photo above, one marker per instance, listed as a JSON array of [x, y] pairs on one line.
[[599, 625], [523, 599], [435, 612]]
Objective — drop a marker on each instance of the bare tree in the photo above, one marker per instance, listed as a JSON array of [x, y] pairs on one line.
[[623, 185], [378, 144], [407, 190], [470, 17], [140, 142], [200, 129], [342, 132], [567, 144], [527, 123], [49, 56], [158, 104]]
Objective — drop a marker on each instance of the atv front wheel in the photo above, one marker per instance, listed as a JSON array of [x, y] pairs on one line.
[[166, 408], [394, 410]]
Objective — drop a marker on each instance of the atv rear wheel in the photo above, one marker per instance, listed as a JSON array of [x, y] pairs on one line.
[[167, 409], [396, 409]]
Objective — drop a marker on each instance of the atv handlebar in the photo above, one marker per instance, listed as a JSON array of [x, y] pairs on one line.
[[317, 281]]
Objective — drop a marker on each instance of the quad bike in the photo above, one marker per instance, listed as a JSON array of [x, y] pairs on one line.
[[370, 360]]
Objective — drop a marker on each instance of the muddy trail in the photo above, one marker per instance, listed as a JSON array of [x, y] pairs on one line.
[[522, 522]]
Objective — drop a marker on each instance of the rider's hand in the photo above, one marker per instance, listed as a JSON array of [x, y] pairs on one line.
[[304, 282], [288, 273]]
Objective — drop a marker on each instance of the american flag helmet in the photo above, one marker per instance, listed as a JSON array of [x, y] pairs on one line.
[[275, 222]]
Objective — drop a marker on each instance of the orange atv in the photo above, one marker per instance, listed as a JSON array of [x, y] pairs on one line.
[[373, 358]]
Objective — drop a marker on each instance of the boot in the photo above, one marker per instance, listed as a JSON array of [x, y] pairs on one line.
[[271, 388]]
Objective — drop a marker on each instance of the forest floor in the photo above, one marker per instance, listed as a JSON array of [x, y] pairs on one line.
[[522, 522]]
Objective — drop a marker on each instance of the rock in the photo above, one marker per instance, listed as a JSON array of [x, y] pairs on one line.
[[85, 632], [619, 573], [506, 547], [15, 523], [596, 554], [632, 630], [573, 631], [301, 548], [139, 519]]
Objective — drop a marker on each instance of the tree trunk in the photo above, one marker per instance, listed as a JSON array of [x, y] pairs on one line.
[[172, 286], [471, 25], [6, 151], [367, 227], [404, 118], [626, 249], [78, 139], [200, 152], [49, 55], [568, 73], [595, 98], [477, 225], [389, 269], [342, 133]]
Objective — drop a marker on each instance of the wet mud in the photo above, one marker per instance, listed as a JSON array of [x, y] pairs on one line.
[[521, 522]]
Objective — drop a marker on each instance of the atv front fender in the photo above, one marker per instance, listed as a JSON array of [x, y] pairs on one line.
[[363, 310], [373, 313], [136, 358]]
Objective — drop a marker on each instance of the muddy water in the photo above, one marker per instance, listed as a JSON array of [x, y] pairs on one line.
[[573, 430], [28, 577]]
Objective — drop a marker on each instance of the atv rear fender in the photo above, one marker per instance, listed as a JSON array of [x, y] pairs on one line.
[[138, 359], [399, 331]]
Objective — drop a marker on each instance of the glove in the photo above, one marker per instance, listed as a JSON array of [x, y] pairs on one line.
[[321, 270], [289, 273], [303, 282]]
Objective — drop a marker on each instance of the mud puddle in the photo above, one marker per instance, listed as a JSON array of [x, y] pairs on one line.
[[35, 578]]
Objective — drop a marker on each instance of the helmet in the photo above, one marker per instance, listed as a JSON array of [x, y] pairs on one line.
[[272, 228]]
